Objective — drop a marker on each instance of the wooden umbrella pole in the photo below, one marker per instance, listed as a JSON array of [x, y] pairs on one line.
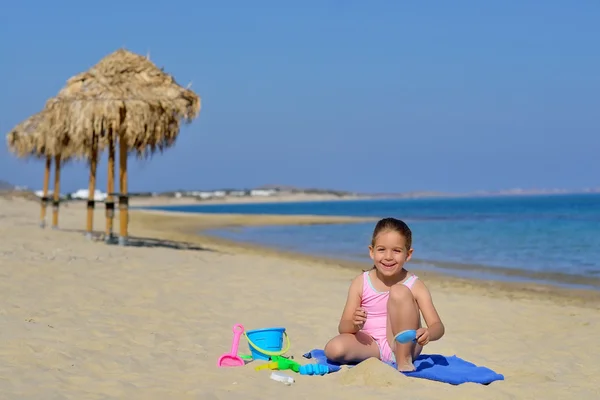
[[123, 198], [91, 203], [44, 200], [110, 189], [56, 199]]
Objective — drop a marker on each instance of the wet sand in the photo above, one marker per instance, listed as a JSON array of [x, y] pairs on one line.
[[81, 319]]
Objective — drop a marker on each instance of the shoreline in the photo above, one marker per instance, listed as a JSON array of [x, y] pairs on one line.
[[165, 202], [450, 268], [174, 226], [478, 272]]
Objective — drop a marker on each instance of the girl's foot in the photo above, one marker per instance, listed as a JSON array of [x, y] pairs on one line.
[[406, 366]]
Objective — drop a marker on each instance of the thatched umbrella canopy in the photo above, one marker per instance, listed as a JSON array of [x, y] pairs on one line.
[[127, 94], [124, 96], [23, 139], [28, 139]]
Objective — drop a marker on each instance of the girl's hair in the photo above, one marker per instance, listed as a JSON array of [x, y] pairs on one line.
[[396, 225]]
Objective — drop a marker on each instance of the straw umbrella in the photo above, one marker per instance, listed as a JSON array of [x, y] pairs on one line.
[[28, 139], [123, 99]]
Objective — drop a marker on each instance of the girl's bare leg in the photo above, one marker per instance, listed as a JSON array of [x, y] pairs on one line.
[[403, 314], [347, 348]]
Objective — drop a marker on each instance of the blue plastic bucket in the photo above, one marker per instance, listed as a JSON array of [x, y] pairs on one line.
[[269, 340]]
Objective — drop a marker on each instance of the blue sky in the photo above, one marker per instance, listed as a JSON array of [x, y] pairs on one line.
[[378, 96]]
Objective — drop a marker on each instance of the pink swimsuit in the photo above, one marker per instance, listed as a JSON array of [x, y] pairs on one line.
[[375, 304]]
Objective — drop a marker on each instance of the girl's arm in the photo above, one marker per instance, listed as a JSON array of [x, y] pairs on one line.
[[353, 301], [430, 315]]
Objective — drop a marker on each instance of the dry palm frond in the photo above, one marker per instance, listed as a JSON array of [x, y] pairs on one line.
[[126, 93], [29, 139]]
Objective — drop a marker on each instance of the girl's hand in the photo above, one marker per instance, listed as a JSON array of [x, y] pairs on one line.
[[359, 318], [422, 336]]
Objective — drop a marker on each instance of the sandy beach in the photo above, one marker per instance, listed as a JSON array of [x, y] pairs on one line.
[[83, 320]]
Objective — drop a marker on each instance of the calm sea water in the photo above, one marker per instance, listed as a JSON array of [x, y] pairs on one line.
[[538, 238]]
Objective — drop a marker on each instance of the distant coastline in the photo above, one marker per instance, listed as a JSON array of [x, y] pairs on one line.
[[279, 193], [489, 193], [287, 194]]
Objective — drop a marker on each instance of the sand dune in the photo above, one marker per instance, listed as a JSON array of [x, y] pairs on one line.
[[81, 320]]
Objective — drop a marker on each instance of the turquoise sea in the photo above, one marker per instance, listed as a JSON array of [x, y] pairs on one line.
[[545, 239]]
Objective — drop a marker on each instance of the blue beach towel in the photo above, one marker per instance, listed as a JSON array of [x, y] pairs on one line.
[[435, 367]]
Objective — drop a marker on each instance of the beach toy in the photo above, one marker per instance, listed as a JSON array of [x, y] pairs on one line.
[[269, 365], [231, 359], [281, 363], [314, 369], [406, 336], [267, 342]]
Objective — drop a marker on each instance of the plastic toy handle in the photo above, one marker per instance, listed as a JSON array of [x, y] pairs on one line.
[[238, 329], [283, 363], [271, 365], [272, 353]]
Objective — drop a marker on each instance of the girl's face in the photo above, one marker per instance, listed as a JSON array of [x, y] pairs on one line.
[[389, 253]]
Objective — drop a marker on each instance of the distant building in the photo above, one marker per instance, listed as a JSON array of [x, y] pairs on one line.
[[83, 194], [212, 194], [262, 192], [201, 194], [40, 193]]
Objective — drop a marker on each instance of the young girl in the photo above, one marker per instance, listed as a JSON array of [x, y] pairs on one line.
[[385, 301]]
